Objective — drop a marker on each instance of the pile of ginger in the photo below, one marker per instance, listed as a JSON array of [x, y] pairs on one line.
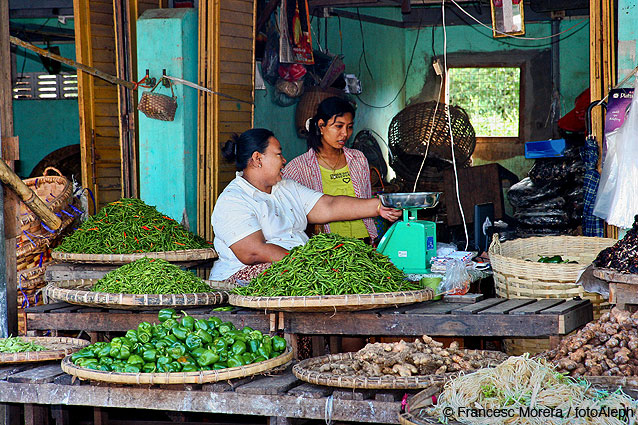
[[606, 347], [421, 357]]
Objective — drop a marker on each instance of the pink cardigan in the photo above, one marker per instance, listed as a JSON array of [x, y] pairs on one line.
[[304, 169]]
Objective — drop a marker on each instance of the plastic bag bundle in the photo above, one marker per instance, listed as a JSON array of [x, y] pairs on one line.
[[525, 193], [617, 197]]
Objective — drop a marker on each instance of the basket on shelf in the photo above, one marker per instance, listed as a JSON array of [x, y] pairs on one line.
[[518, 274]]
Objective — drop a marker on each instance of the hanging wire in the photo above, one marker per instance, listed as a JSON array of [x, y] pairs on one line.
[[516, 36]]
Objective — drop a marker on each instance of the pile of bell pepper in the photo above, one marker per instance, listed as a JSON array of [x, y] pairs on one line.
[[180, 343]]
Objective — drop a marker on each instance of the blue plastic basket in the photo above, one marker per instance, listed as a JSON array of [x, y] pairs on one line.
[[545, 149]]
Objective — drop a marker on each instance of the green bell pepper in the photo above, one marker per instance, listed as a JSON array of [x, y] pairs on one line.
[[246, 330], [220, 345], [85, 360], [235, 361], [158, 331], [129, 368], [149, 368], [104, 351], [247, 358], [189, 368], [255, 335], [180, 332], [166, 313], [214, 322], [144, 332], [106, 360], [149, 356], [208, 357], [252, 346], [132, 336], [193, 341], [170, 339], [135, 360], [128, 342], [259, 359], [239, 347], [278, 344], [196, 353], [220, 365], [162, 363], [201, 324], [225, 327], [264, 350], [205, 336], [188, 322], [169, 323], [174, 366], [176, 350], [121, 353]]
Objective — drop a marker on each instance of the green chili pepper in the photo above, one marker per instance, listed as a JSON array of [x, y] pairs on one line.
[[225, 308]]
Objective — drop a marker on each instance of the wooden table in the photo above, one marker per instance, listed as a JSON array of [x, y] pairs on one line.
[[492, 317], [278, 397]]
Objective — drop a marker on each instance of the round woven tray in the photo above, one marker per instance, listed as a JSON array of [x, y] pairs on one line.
[[185, 255], [200, 377], [615, 276], [58, 348], [327, 303], [76, 292], [304, 370]]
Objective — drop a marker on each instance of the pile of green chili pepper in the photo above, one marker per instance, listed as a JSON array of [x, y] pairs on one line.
[[180, 344], [329, 264], [18, 345], [150, 276], [128, 226]]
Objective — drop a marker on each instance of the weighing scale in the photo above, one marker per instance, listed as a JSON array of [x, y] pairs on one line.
[[410, 243]]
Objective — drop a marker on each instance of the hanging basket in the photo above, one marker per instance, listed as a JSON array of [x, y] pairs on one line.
[[158, 106]]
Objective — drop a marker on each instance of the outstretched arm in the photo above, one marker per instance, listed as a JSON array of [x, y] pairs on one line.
[[339, 208]]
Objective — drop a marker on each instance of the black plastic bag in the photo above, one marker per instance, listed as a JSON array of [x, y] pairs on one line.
[[526, 193]]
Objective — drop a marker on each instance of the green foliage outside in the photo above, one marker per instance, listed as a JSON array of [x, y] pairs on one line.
[[490, 96]]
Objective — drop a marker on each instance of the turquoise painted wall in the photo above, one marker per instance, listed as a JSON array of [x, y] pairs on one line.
[[385, 55], [388, 54], [167, 39], [43, 125], [627, 36]]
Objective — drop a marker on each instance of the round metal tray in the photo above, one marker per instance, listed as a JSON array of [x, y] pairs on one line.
[[410, 200]]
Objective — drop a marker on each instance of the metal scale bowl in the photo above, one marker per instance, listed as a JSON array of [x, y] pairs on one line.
[[410, 243]]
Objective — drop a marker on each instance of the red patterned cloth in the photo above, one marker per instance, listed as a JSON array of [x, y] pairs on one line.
[[247, 274], [304, 169]]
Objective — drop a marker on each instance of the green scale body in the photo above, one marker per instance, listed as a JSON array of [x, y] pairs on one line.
[[410, 244]]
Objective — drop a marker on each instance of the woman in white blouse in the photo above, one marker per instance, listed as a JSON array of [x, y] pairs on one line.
[[260, 216]]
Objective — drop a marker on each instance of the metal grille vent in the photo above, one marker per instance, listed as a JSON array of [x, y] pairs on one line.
[[42, 86]]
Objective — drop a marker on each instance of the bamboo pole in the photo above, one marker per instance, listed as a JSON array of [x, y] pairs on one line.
[[29, 197], [72, 63]]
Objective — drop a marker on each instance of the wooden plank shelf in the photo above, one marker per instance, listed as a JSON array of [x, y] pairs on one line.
[[275, 396], [489, 318]]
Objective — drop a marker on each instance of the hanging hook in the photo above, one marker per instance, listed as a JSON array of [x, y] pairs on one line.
[[151, 81], [165, 81], [588, 118]]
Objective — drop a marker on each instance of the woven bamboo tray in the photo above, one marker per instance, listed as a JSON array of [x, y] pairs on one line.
[[304, 371], [518, 274], [185, 255], [331, 303], [199, 377], [615, 276], [59, 347], [77, 292]]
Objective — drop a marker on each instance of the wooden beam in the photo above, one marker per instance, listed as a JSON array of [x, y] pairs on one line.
[[74, 64]]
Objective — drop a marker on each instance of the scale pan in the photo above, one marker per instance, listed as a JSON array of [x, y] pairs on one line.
[[410, 200]]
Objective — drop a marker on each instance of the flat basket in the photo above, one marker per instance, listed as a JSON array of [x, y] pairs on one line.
[[78, 292], [518, 274], [199, 377], [305, 371], [57, 348], [185, 255], [331, 303]]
